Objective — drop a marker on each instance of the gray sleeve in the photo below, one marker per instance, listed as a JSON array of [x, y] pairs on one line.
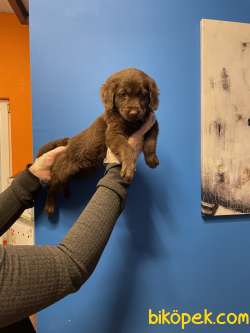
[[16, 198], [33, 277]]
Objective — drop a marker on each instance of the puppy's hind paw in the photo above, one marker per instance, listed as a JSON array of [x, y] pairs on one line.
[[49, 210], [152, 160]]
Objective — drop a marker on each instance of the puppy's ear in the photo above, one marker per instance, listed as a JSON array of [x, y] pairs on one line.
[[154, 94], [107, 93]]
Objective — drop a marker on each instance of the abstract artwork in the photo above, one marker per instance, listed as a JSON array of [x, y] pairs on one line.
[[225, 118]]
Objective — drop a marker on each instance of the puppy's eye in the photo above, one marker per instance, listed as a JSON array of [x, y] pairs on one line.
[[122, 94]]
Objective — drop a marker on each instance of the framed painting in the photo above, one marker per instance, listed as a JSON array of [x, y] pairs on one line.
[[225, 118]]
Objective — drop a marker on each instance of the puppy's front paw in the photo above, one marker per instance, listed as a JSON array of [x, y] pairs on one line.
[[128, 171], [152, 160]]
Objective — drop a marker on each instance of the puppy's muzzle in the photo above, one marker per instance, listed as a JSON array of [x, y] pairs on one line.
[[134, 113]]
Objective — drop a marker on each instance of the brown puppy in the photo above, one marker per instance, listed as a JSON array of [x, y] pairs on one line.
[[128, 97]]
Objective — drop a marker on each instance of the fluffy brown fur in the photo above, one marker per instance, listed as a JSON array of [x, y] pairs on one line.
[[128, 97]]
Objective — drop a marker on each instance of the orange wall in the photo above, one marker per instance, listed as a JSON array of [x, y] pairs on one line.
[[16, 86]]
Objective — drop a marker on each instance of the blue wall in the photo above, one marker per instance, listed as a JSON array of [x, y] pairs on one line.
[[162, 254]]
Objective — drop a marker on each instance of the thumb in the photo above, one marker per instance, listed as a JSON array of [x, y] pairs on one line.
[[147, 125]]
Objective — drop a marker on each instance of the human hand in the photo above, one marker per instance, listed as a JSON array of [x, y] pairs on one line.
[[135, 140], [42, 165]]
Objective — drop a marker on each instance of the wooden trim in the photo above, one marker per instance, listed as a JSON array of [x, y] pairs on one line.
[[5, 145], [20, 11]]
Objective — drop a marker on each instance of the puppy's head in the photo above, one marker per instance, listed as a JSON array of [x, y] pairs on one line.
[[131, 93]]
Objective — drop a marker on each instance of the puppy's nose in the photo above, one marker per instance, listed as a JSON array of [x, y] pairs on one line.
[[133, 113]]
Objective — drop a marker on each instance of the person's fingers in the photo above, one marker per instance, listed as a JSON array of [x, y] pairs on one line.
[[52, 154], [110, 157], [147, 125], [56, 151], [45, 161]]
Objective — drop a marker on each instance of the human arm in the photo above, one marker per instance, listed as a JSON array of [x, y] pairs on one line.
[[33, 277]]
